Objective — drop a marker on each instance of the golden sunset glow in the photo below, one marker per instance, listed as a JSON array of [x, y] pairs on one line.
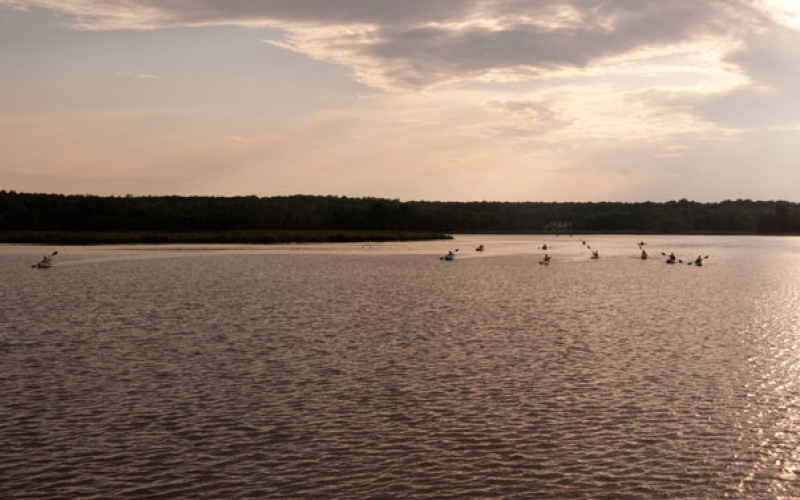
[[467, 100]]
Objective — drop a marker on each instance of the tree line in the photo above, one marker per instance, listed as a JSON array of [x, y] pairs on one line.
[[55, 212]]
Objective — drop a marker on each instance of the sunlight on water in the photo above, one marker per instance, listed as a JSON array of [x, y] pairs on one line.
[[775, 412], [354, 371]]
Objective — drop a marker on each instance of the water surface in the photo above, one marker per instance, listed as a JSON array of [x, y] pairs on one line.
[[381, 371]]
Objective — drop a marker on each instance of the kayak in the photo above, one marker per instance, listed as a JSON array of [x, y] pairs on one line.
[[46, 262], [669, 261], [544, 262]]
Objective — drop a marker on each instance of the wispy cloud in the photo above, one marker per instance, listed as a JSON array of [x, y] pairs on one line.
[[140, 76]]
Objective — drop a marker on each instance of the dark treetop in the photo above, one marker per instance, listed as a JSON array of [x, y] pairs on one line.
[[22, 212]]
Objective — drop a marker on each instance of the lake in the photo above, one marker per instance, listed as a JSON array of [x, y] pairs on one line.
[[382, 371]]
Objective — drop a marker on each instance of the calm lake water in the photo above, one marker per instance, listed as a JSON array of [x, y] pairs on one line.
[[381, 371]]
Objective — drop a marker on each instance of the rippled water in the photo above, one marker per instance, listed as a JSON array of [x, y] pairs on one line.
[[351, 371]]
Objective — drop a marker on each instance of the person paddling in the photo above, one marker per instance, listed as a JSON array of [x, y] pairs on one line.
[[44, 263], [546, 257], [698, 261], [644, 254]]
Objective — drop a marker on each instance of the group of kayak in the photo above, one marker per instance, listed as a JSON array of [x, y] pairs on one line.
[[547, 258], [451, 255], [671, 259]]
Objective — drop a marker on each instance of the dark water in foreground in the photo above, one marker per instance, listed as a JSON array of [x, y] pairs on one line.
[[384, 372]]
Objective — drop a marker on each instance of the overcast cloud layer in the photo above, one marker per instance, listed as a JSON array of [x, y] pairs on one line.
[[583, 98]]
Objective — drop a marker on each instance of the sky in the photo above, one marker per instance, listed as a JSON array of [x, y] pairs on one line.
[[436, 100]]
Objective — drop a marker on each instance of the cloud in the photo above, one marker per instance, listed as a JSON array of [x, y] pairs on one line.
[[772, 64], [413, 44], [640, 97], [140, 76], [153, 14]]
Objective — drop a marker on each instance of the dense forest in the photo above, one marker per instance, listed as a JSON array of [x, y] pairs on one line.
[[20, 212]]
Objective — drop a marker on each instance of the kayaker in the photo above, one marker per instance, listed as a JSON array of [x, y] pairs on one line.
[[698, 261], [672, 256], [546, 258], [644, 254]]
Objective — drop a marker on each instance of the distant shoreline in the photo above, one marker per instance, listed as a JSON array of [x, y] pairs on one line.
[[256, 237], [351, 217]]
